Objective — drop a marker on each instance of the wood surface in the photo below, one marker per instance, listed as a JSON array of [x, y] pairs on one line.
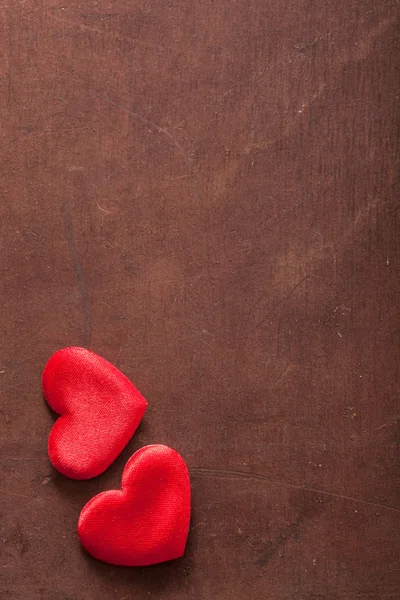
[[206, 194]]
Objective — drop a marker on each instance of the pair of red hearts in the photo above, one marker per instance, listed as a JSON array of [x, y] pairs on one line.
[[147, 520]]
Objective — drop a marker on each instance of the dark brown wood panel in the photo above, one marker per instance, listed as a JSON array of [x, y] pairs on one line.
[[206, 194]]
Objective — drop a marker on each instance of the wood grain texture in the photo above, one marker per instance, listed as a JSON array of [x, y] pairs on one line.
[[206, 194]]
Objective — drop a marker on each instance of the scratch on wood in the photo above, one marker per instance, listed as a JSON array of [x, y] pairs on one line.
[[79, 273], [7, 492], [108, 212], [232, 474], [164, 131]]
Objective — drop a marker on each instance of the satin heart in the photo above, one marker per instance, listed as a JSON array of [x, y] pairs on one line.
[[147, 521], [100, 410]]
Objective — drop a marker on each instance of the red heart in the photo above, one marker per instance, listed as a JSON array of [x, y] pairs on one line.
[[147, 521], [100, 410]]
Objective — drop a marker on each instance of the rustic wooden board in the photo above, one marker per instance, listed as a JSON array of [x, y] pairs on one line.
[[206, 194]]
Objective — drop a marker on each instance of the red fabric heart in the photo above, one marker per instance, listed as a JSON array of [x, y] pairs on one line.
[[147, 521], [100, 410]]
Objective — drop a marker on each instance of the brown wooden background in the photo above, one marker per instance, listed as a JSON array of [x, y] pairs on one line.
[[206, 193]]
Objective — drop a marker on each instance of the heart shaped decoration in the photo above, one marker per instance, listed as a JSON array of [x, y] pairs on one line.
[[100, 410], [147, 521]]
